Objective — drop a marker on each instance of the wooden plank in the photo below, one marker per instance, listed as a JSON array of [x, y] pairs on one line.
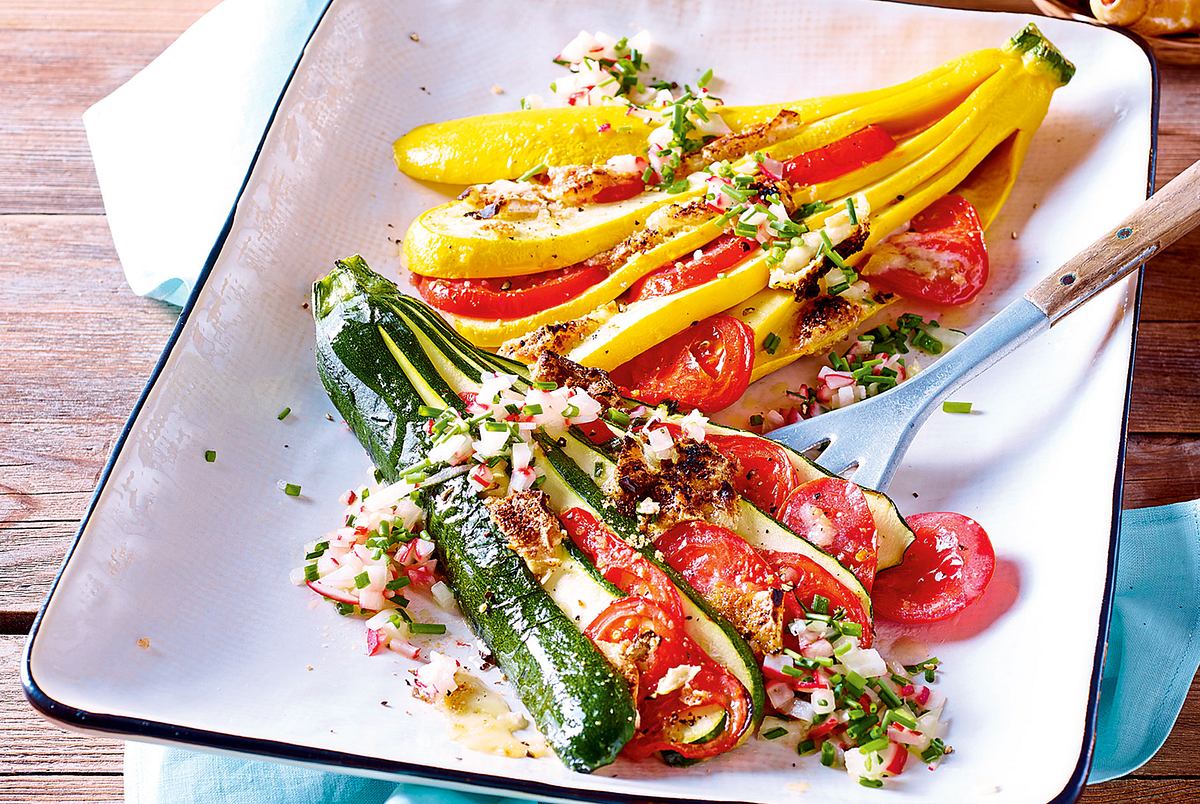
[[1171, 284], [102, 15], [49, 79], [1165, 399], [29, 744], [1161, 469], [1159, 791], [51, 789]]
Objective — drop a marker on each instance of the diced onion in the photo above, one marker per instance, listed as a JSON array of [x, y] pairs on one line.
[[442, 594]]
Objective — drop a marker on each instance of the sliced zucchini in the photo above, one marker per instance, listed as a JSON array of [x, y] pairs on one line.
[[569, 486], [450, 240], [488, 147], [894, 534], [456, 356], [580, 703]]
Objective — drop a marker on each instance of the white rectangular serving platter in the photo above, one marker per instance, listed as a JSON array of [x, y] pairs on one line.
[[173, 619]]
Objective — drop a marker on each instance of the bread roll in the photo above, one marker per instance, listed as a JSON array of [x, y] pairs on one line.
[[1150, 17]]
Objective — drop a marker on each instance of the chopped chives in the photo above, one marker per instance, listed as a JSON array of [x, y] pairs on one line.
[[283, 414], [531, 410], [310, 572], [647, 175], [427, 628], [828, 754], [853, 212], [361, 580], [618, 417], [792, 670], [865, 782], [806, 747], [956, 407], [677, 186], [756, 420], [533, 171], [317, 551], [887, 696], [705, 78], [849, 629], [428, 411], [874, 745], [291, 489], [775, 733], [771, 343], [935, 750], [820, 604], [210, 455], [545, 386]]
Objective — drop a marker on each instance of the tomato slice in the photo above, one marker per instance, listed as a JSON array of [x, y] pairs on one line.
[[706, 366], [620, 564], [945, 570], [833, 514], [727, 572], [713, 687], [764, 473], [619, 191], [713, 258], [809, 579], [838, 158], [942, 258], [508, 297]]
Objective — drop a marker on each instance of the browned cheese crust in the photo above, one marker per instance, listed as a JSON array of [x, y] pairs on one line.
[[782, 126], [531, 527], [553, 367], [697, 484]]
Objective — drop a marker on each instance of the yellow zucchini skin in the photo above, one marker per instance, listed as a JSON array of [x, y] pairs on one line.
[[445, 242], [987, 138], [503, 145]]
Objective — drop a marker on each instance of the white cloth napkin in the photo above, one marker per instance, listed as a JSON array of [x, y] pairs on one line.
[[173, 145]]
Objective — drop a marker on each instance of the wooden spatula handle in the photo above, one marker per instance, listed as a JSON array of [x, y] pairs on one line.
[[1166, 216]]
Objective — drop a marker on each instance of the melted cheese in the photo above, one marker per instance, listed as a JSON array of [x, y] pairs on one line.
[[481, 720]]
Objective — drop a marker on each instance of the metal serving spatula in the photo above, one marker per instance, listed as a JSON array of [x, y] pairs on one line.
[[869, 438]]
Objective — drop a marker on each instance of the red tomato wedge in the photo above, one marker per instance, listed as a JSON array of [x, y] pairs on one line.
[[942, 258], [621, 565], [706, 366], [721, 566], [764, 474], [654, 605], [717, 256], [619, 191], [627, 618], [713, 687], [833, 514], [508, 297], [809, 579], [945, 570], [838, 158]]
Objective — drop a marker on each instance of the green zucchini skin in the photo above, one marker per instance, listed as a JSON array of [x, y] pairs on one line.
[[353, 362], [748, 672], [586, 711], [582, 706]]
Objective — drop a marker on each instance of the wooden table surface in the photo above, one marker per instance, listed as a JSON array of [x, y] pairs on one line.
[[76, 347]]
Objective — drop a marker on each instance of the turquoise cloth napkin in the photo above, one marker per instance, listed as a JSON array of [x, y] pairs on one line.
[[1154, 638], [209, 96]]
